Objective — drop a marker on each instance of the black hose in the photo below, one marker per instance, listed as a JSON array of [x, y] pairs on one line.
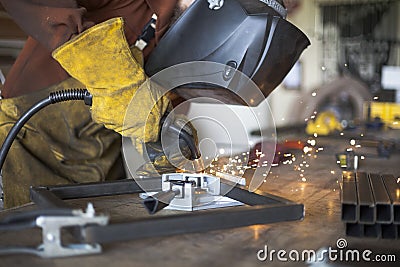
[[67, 95], [54, 97], [71, 94]]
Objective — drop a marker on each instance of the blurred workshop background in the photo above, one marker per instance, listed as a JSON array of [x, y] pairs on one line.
[[354, 57], [347, 78], [336, 112]]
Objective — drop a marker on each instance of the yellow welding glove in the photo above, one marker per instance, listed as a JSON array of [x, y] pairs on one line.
[[101, 59]]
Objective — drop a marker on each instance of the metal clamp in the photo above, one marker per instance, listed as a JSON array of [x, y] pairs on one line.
[[51, 225], [194, 189], [51, 233]]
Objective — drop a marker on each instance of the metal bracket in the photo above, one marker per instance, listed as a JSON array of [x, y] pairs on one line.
[[51, 234], [51, 225], [194, 189]]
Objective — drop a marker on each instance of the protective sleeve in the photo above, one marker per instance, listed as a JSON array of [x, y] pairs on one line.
[[50, 22]]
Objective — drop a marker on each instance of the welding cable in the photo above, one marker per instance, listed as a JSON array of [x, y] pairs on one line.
[[67, 95], [53, 98]]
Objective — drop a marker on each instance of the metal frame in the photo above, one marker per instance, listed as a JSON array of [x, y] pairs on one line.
[[371, 205], [378, 230], [259, 209], [366, 202]]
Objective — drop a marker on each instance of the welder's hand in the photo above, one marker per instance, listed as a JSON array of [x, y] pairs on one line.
[[176, 154], [100, 58], [159, 159]]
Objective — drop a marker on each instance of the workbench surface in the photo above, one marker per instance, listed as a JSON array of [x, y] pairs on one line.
[[313, 180]]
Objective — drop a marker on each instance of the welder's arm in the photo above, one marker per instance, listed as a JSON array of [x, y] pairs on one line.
[[123, 98], [101, 59], [50, 22], [96, 55]]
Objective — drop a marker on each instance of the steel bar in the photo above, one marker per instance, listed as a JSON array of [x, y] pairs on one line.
[[382, 199], [355, 229], [378, 230], [393, 189], [349, 198], [398, 231], [366, 202], [46, 199], [372, 230], [195, 222], [160, 200], [389, 231], [118, 187], [239, 193], [130, 186]]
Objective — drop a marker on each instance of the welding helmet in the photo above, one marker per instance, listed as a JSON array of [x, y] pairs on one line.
[[251, 36]]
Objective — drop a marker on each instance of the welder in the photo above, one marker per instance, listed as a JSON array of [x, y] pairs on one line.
[[102, 46]]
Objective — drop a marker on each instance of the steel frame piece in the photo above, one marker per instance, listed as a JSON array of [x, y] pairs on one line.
[[371, 205], [370, 198], [378, 230], [258, 209], [349, 198]]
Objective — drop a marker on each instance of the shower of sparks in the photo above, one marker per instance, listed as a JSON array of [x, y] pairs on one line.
[[235, 165]]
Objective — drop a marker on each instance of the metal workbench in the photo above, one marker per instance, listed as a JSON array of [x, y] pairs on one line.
[[313, 180]]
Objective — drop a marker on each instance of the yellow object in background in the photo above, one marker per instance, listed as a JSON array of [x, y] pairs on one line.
[[324, 124], [388, 112]]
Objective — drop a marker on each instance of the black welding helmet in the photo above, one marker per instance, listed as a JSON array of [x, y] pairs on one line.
[[251, 36]]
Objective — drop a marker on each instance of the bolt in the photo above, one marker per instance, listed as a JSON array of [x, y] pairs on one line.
[[90, 210], [50, 237]]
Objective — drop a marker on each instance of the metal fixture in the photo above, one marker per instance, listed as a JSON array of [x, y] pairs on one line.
[[52, 222], [258, 209], [184, 191]]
